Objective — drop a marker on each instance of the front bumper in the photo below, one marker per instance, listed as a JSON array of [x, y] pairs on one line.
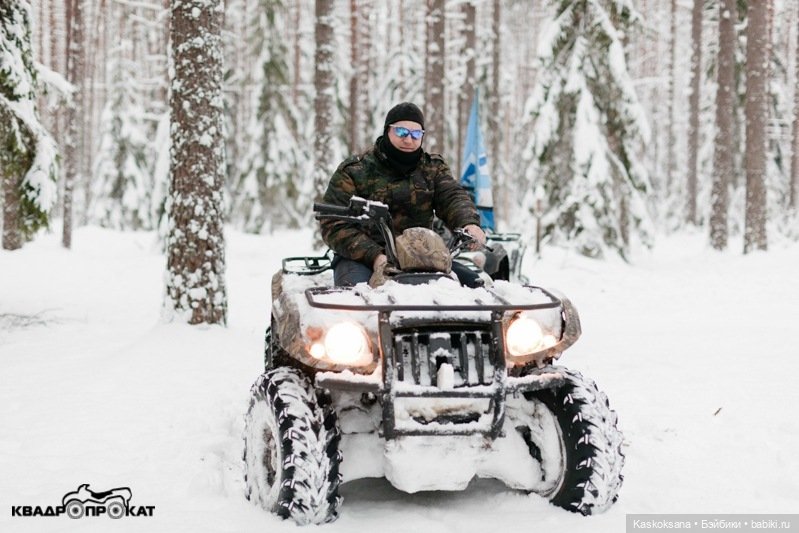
[[417, 410]]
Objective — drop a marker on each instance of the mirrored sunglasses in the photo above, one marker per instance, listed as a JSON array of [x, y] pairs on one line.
[[402, 132]]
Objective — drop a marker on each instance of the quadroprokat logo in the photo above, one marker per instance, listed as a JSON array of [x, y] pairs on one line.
[[83, 501]]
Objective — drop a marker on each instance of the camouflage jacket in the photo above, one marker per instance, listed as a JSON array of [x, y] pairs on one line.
[[412, 198]]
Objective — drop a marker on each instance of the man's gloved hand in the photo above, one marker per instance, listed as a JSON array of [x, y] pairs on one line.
[[477, 234], [381, 271]]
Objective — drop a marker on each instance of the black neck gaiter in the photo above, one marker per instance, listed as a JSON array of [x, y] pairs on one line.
[[404, 162]]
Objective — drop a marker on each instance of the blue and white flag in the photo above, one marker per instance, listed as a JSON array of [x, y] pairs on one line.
[[474, 177]]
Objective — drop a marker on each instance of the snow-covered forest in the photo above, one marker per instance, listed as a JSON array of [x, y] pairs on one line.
[[159, 158], [602, 118]]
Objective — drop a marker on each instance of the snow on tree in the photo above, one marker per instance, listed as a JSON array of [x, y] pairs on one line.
[[380, 46], [122, 175], [195, 244], [781, 92], [707, 112], [27, 152], [271, 190], [589, 130], [392, 46]]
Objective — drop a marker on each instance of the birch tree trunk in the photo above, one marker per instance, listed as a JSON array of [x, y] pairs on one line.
[[195, 245], [693, 131], [756, 115], [723, 164]]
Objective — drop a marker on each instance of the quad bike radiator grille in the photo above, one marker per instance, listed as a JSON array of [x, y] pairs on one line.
[[419, 356]]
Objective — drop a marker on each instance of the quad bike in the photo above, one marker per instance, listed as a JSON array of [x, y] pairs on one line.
[[116, 501], [421, 381]]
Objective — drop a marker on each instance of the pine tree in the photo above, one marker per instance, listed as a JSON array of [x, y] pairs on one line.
[[779, 113], [756, 77], [494, 114], [794, 181], [723, 158], [435, 121], [272, 191], [123, 176], [195, 244], [693, 132], [589, 128], [27, 152], [468, 54], [73, 143], [671, 144], [360, 48], [324, 82]]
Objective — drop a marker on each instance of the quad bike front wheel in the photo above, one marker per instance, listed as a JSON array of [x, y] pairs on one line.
[[571, 432], [115, 509], [291, 454]]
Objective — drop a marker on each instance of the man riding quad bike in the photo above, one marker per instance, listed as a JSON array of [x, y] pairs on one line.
[[423, 381]]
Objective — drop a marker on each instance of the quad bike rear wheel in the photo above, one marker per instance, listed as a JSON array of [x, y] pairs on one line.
[[291, 454], [571, 432], [75, 509]]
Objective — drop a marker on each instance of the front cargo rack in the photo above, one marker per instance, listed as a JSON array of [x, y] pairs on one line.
[[501, 304]]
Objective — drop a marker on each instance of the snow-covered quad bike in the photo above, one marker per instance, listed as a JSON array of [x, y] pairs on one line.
[[421, 381]]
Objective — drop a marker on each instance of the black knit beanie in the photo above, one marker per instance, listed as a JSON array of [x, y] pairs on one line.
[[403, 111]]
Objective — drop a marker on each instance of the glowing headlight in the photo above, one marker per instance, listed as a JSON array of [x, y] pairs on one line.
[[346, 344], [524, 336], [317, 350]]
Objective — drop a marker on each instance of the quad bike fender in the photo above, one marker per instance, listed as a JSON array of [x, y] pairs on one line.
[[294, 324]]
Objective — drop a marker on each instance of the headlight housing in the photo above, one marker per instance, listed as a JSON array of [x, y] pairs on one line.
[[524, 336], [345, 343]]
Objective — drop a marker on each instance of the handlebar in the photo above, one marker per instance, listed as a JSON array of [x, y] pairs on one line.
[[463, 241], [366, 212], [356, 209], [328, 209]]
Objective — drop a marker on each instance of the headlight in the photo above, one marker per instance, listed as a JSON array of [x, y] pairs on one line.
[[523, 336], [346, 344]]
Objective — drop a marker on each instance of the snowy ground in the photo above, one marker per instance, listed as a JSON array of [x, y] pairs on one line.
[[698, 352]]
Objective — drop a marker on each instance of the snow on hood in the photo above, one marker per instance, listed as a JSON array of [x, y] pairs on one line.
[[438, 293]]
